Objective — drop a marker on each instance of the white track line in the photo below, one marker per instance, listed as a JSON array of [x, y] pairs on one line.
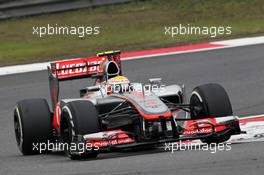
[[242, 41], [252, 116], [226, 44], [23, 68]]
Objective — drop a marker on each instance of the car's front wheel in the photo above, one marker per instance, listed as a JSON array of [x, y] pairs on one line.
[[78, 118], [210, 101]]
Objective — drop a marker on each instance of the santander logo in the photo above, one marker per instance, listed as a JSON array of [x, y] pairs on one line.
[[196, 131]]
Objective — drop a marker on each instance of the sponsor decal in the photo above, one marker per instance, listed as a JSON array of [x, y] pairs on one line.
[[82, 66]]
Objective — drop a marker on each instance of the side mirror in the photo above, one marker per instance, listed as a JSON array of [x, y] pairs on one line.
[[93, 88], [89, 89], [155, 81]]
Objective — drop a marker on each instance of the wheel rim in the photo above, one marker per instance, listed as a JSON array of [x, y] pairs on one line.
[[65, 132], [197, 108], [18, 128]]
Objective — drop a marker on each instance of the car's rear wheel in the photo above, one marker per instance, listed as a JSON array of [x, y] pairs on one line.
[[33, 126], [210, 101], [79, 118]]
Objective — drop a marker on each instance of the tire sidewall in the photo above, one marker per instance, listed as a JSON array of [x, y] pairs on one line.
[[35, 123]]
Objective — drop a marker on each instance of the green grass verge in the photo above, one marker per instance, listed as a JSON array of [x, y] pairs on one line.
[[132, 26]]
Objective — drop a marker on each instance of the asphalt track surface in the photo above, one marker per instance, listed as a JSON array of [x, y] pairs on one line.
[[239, 70]]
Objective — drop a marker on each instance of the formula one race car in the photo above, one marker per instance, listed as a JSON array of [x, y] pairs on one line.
[[115, 114]]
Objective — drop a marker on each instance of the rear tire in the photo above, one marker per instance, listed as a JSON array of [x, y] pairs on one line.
[[210, 101], [79, 118], [32, 123]]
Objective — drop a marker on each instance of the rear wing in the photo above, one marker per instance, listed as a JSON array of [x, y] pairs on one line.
[[79, 68], [82, 67]]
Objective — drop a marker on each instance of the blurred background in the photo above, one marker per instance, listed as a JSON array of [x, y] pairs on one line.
[[128, 25]]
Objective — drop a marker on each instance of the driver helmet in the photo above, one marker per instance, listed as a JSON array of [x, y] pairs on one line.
[[118, 84]]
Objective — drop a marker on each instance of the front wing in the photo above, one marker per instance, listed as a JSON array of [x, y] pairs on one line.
[[116, 140]]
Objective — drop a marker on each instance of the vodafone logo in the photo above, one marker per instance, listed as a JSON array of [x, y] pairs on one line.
[[71, 68], [78, 67]]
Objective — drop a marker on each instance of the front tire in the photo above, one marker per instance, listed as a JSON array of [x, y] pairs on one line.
[[32, 123], [79, 118], [210, 101]]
